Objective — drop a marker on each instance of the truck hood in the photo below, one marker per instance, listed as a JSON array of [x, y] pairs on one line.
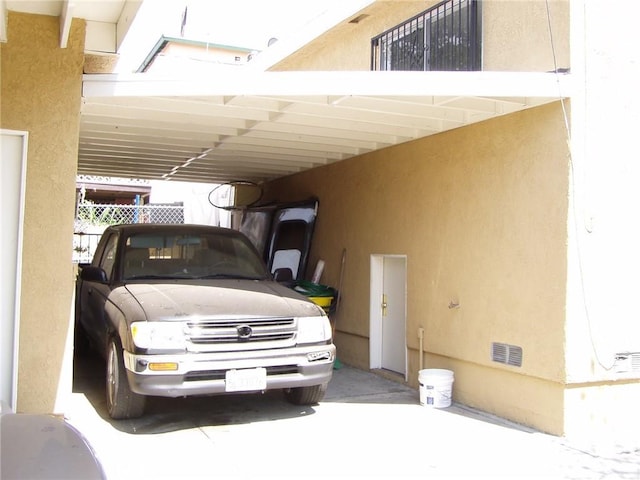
[[219, 298]]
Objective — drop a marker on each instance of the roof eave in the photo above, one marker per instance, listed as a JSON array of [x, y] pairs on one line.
[[492, 84]]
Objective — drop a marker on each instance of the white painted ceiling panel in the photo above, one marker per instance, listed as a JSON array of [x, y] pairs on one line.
[[174, 129]]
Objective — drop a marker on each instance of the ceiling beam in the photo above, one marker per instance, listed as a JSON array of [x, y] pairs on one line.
[[125, 21], [66, 16], [360, 83]]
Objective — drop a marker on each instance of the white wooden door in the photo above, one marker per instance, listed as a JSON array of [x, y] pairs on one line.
[[393, 311]]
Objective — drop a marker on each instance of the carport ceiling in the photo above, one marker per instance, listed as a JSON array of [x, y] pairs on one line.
[[261, 126]]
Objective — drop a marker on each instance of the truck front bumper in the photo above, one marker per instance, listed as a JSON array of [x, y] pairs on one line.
[[205, 373]]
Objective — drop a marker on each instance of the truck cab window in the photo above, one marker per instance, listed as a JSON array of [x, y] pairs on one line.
[[108, 258]]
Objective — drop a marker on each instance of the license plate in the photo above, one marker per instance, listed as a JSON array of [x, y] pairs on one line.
[[246, 380]]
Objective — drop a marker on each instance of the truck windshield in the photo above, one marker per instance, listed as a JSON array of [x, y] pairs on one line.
[[159, 255]]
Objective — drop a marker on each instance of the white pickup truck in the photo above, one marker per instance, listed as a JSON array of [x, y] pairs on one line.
[[181, 310]]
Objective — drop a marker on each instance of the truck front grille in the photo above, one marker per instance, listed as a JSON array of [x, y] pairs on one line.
[[241, 332]]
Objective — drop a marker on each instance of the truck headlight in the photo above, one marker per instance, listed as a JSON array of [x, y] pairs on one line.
[[158, 335], [313, 330]]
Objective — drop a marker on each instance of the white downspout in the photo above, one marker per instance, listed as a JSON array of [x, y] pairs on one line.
[[421, 337]]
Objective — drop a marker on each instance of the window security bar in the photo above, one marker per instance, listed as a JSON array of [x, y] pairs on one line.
[[446, 37]]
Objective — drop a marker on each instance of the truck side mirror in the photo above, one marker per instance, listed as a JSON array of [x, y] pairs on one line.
[[93, 274]]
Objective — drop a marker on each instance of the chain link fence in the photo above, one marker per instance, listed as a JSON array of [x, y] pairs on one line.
[[106, 214], [93, 218]]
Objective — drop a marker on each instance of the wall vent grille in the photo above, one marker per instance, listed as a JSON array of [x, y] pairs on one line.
[[507, 354], [627, 362]]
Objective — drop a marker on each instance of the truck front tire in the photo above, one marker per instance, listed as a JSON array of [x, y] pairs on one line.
[[121, 401], [305, 395]]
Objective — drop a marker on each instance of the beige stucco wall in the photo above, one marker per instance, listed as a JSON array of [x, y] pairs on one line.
[[481, 213], [40, 93], [347, 46], [525, 35], [515, 36]]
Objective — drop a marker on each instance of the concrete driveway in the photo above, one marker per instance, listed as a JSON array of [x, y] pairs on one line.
[[366, 427]]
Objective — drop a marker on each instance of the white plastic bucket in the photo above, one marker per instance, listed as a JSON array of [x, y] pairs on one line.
[[435, 387]]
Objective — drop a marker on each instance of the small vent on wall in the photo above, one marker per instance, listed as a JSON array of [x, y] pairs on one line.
[[507, 354], [359, 18], [627, 362]]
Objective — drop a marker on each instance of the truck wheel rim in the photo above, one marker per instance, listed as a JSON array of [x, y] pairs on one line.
[[111, 377]]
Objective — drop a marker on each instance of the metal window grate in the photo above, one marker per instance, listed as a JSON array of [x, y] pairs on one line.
[[507, 354], [446, 37]]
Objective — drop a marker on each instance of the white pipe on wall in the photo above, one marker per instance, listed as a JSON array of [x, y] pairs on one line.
[[421, 337]]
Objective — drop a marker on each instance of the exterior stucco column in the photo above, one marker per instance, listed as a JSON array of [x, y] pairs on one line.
[[41, 91]]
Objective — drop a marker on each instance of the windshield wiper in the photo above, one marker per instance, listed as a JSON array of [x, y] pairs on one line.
[[156, 277], [229, 275]]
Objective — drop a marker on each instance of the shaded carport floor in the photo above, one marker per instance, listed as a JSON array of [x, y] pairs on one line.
[[366, 427]]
